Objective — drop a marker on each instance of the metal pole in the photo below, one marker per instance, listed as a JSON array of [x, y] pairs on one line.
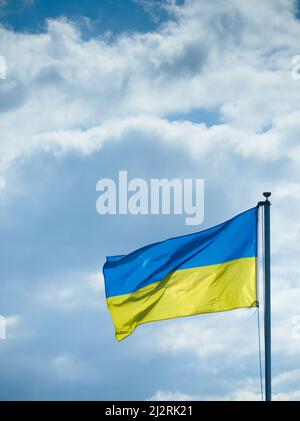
[[267, 303]]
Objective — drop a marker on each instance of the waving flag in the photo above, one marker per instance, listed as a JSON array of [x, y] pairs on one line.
[[209, 271]]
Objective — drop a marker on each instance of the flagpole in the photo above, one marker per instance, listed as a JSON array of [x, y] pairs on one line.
[[267, 302]]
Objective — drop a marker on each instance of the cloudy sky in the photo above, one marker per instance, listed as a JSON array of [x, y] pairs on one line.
[[176, 89]]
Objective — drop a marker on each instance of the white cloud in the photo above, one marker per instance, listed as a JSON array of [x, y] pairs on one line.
[[63, 92], [75, 291], [68, 368], [17, 327], [286, 377], [2, 184], [238, 395], [167, 395], [13, 320], [240, 391]]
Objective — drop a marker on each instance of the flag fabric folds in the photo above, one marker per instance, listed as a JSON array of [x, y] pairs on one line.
[[209, 271]]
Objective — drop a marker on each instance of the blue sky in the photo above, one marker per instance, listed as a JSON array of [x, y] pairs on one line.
[[96, 17], [161, 89]]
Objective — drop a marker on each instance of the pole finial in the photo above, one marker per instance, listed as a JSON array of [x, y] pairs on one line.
[[266, 202], [267, 195]]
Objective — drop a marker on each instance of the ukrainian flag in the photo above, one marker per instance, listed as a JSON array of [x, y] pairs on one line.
[[209, 271]]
